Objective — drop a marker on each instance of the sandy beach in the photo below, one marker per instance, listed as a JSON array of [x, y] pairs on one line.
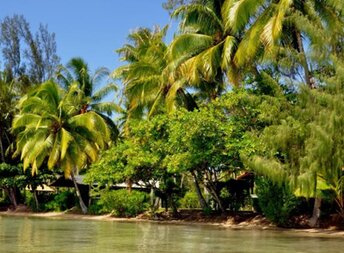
[[257, 224]]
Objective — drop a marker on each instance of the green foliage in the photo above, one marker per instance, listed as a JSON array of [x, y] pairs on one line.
[[8, 99], [11, 176], [124, 203], [62, 201], [190, 200], [277, 202], [29, 58], [96, 207], [30, 201]]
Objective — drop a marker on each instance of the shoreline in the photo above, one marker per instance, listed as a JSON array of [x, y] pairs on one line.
[[319, 232]]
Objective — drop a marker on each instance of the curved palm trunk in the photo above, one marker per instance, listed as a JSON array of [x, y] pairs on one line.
[[78, 193]]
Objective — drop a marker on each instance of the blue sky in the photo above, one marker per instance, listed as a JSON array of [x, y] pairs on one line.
[[92, 29]]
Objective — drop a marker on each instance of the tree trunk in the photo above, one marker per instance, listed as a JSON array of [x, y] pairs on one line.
[[313, 222], [34, 192], [2, 151], [216, 197], [81, 201], [212, 190], [201, 199], [152, 197], [10, 191], [129, 185]]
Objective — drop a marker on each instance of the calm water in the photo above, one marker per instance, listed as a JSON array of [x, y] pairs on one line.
[[19, 234]]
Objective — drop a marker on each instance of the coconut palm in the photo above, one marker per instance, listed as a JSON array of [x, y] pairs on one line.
[[50, 130], [279, 30], [145, 87], [201, 56], [141, 76], [77, 72]]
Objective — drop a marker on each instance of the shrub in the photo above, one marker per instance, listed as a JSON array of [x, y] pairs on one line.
[[275, 201], [124, 203], [96, 207], [30, 200], [62, 201], [190, 200]]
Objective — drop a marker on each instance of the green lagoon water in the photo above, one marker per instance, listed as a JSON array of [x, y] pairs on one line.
[[22, 234]]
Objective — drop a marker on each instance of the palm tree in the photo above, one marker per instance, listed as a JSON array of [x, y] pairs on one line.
[[278, 31], [77, 72], [145, 86], [50, 130], [201, 56], [141, 76], [232, 37]]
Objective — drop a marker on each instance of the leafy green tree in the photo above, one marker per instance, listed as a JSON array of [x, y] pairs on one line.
[[50, 130], [8, 99], [208, 143], [29, 58], [10, 181], [139, 159], [305, 148]]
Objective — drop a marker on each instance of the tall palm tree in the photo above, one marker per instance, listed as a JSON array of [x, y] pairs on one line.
[[280, 30], [232, 37], [145, 86], [50, 130], [141, 76], [77, 72], [201, 56]]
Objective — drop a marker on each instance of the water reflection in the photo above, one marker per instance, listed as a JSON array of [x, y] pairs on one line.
[[36, 235]]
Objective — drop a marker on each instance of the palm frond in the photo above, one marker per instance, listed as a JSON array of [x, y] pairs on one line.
[[172, 94], [188, 45], [249, 45], [272, 30], [66, 139], [100, 94], [202, 18], [106, 107], [237, 13], [55, 152]]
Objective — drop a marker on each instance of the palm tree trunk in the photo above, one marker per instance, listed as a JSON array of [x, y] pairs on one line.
[[2, 150], [34, 192], [81, 201], [316, 212]]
